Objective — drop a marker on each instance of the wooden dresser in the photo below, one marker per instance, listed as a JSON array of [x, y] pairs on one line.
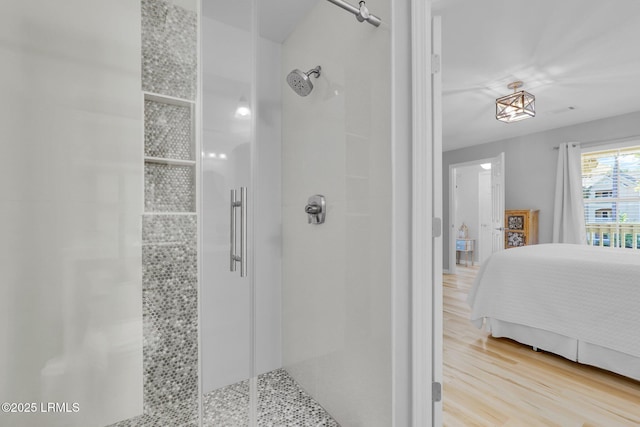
[[520, 227]]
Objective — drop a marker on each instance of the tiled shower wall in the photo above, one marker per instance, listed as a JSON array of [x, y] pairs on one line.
[[169, 225], [169, 54], [336, 323]]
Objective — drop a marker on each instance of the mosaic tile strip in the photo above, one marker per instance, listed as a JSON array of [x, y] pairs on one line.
[[170, 319], [170, 355], [169, 54], [165, 229], [168, 131], [169, 251], [169, 267], [281, 403], [169, 188]]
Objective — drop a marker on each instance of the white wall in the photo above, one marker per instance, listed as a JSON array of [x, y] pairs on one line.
[[337, 276], [530, 165], [70, 218]]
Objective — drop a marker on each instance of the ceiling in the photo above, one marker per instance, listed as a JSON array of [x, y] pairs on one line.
[[276, 18], [580, 58]]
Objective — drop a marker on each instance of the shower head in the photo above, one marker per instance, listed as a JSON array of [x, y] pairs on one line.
[[300, 81]]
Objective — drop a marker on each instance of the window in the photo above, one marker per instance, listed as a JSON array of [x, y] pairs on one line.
[[603, 213], [611, 191], [606, 193]]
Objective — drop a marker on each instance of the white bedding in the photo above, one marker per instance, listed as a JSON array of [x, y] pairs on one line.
[[588, 293]]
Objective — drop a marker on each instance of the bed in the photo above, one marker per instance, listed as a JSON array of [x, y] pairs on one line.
[[581, 302]]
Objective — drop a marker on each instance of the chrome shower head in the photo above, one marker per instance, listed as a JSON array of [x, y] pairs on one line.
[[300, 82]]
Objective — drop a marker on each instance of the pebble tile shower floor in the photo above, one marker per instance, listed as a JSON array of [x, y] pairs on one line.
[[281, 403]]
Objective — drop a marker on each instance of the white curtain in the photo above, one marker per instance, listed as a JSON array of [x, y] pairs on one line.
[[568, 212]]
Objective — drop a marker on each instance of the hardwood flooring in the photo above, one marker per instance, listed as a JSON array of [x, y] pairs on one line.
[[498, 382]]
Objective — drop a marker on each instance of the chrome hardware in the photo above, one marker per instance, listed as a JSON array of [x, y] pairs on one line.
[[362, 13], [436, 391], [242, 258], [316, 209], [436, 227], [312, 209]]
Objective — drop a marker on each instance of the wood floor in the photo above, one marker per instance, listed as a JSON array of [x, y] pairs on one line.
[[498, 382]]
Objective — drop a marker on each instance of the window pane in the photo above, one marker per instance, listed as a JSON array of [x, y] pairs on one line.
[[611, 189], [600, 212], [628, 212]]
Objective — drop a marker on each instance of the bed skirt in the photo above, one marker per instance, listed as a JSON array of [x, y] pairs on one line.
[[569, 348]]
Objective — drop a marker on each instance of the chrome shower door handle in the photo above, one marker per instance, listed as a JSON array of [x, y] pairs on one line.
[[243, 231], [233, 257], [232, 232]]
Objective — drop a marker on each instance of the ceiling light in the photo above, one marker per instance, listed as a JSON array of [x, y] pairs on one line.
[[485, 166], [243, 111], [517, 106]]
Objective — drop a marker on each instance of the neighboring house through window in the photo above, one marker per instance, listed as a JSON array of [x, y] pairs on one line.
[[611, 191], [603, 213]]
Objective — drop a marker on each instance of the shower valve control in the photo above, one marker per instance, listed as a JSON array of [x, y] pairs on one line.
[[316, 209]]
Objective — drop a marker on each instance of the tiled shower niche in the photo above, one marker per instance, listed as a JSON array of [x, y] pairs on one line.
[[169, 187], [169, 168], [169, 264], [168, 129]]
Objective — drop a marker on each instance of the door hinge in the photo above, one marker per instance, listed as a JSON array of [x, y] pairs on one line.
[[435, 63], [436, 227], [436, 391]]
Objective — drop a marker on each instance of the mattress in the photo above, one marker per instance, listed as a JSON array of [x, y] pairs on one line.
[[590, 294]]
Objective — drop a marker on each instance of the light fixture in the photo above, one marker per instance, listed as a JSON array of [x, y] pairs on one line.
[[517, 106], [485, 166], [243, 111]]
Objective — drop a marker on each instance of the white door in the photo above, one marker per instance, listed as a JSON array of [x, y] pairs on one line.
[[497, 202], [485, 208]]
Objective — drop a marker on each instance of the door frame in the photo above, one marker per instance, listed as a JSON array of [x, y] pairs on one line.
[[426, 200], [453, 207]]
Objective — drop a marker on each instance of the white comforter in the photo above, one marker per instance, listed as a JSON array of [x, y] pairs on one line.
[[583, 292]]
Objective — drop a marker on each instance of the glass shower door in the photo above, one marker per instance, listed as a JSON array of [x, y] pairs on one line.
[[226, 276]]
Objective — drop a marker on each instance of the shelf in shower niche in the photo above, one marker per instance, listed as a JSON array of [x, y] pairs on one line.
[[172, 213], [167, 99], [167, 161]]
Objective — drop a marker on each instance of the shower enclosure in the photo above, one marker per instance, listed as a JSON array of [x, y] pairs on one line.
[[162, 264], [313, 311]]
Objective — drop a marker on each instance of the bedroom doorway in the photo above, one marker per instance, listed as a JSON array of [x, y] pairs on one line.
[[476, 210]]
